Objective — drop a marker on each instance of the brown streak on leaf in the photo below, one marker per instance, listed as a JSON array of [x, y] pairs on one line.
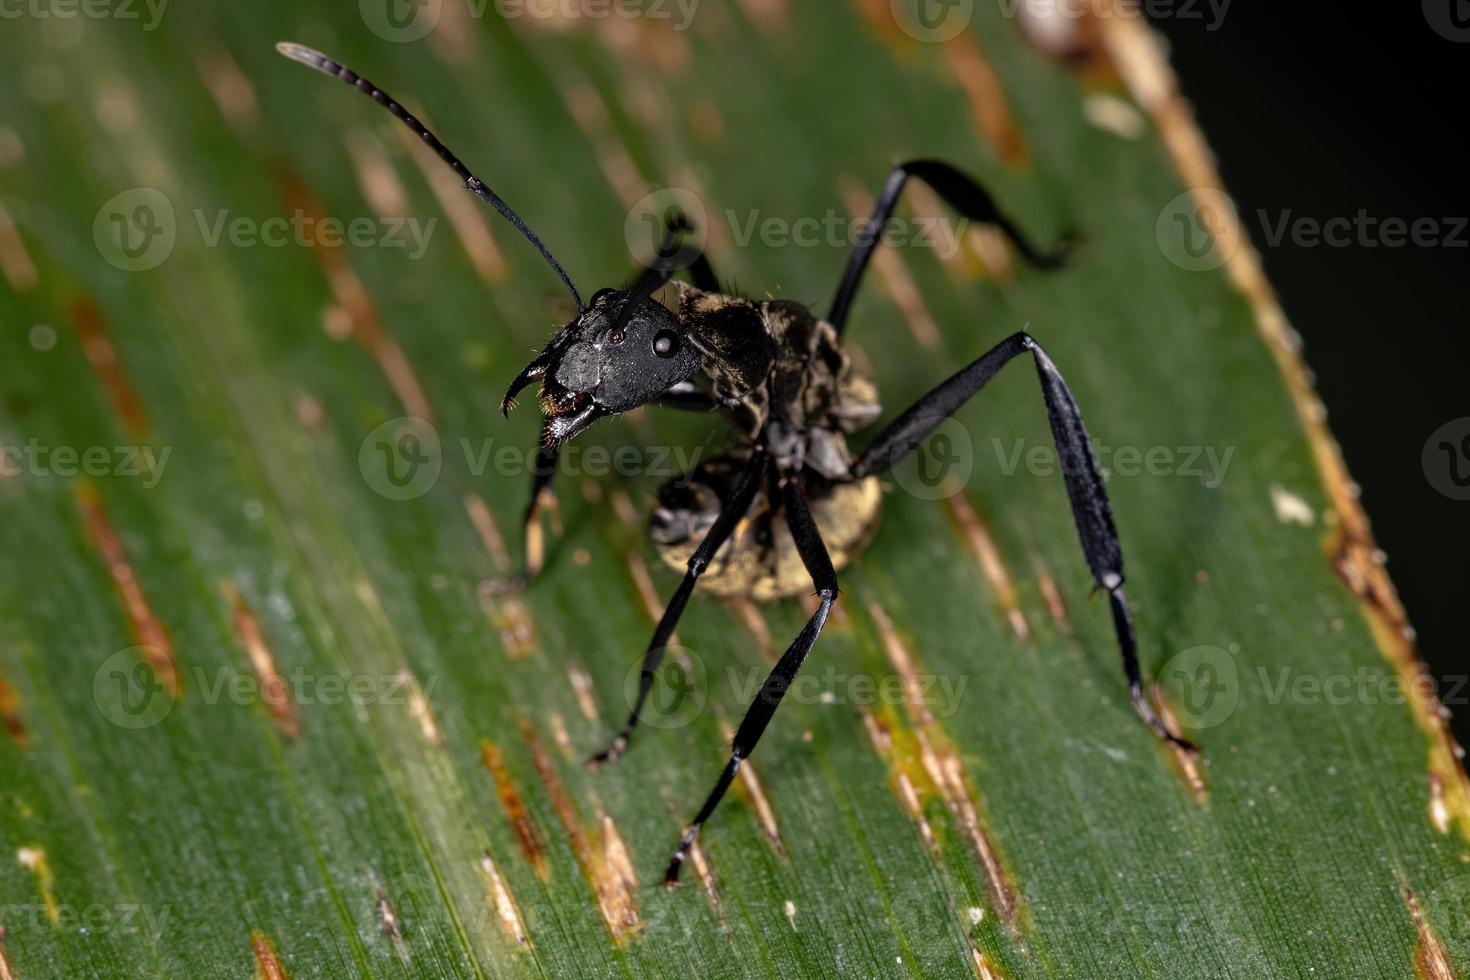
[[229, 86], [623, 507], [988, 555], [1136, 52], [591, 116], [1069, 39], [148, 632], [353, 297], [987, 100], [706, 878], [15, 261], [274, 691], [897, 282], [267, 963], [1439, 814], [602, 856], [981, 252], [769, 16], [33, 859], [586, 694], [643, 581], [1052, 596], [706, 123], [751, 787], [376, 177], [420, 709], [484, 525], [644, 44], [505, 904], [86, 318], [466, 216], [938, 770], [514, 806], [750, 617], [387, 918], [309, 412], [10, 714], [1431, 962], [511, 619], [985, 968], [1186, 762]]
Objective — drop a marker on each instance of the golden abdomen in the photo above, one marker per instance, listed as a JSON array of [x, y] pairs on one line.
[[760, 560]]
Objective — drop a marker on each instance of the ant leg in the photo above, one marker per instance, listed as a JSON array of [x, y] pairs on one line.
[[719, 532], [543, 471], [684, 396], [819, 567], [676, 223], [1090, 508], [960, 192]]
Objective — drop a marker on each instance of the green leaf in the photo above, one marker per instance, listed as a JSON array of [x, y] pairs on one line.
[[262, 714]]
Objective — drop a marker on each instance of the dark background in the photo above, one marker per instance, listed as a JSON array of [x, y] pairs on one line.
[[1324, 110]]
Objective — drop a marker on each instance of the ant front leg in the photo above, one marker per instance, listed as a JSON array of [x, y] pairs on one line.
[[719, 532], [819, 566], [684, 396], [543, 497], [1090, 508], [960, 192]]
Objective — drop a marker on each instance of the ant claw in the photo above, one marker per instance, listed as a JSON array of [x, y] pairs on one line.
[[609, 754]]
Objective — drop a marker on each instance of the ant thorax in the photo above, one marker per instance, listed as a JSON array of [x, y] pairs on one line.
[[776, 369], [773, 366]]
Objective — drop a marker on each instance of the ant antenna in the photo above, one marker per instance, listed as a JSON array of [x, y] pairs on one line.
[[325, 65]]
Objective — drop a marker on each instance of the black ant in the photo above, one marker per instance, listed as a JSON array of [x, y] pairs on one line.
[[781, 378]]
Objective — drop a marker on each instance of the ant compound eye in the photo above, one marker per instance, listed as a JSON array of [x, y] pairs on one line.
[[616, 337], [666, 343]]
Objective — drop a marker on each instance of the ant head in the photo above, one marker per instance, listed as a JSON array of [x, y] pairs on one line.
[[623, 350]]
